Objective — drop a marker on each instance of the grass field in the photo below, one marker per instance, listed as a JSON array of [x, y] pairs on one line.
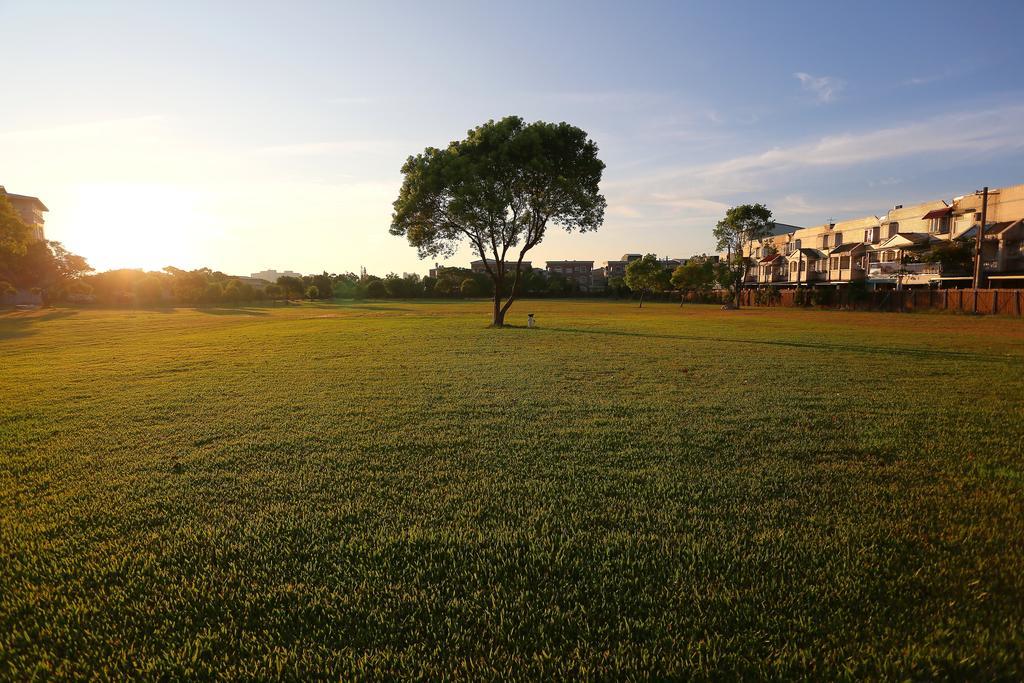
[[394, 489]]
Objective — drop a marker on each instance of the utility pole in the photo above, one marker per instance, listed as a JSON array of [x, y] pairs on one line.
[[978, 240]]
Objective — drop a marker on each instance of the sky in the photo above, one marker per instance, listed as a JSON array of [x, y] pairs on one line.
[[250, 135]]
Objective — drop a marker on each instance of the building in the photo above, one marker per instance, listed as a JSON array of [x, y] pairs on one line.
[[891, 251], [479, 266], [617, 269], [272, 275], [31, 211], [580, 272]]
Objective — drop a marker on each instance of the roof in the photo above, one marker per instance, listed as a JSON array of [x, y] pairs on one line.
[[24, 198], [783, 229], [991, 230], [807, 252], [770, 257], [938, 213], [903, 239], [550, 262], [848, 246]]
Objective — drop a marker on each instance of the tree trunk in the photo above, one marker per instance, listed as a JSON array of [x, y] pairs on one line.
[[499, 315], [641, 299], [682, 295]]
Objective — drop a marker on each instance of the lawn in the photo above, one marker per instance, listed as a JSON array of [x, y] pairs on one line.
[[393, 489]]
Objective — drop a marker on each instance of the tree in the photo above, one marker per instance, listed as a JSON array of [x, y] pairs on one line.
[[322, 283], [646, 275], [375, 289], [213, 293], [742, 225], [312, 292], [44, 266], [500, 189], [469, 288], [557, 283], [954, 256], [15, 236], [617, 286], [292, 286], [696, 275], [344, 286], [397, 287]]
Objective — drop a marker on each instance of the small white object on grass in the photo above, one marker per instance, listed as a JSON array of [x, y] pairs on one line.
[[529, 320]]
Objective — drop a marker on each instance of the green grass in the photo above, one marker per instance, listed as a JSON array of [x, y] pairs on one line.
[[394, 489]]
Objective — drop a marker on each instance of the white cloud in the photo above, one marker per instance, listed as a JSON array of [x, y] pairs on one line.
[[689, 198], [824, 88], [969, 133]]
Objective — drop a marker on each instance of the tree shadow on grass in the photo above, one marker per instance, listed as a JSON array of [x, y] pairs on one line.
[[232, 311], [374, 307], [852, 348], [15, 324]]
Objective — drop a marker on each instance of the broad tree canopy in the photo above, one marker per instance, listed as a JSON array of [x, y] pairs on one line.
[[499, 190], [646, 274], [742, 224], [696, 275]]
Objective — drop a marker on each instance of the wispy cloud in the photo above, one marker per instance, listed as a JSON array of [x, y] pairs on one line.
[[824, 88], [692, 195], [967, 132]]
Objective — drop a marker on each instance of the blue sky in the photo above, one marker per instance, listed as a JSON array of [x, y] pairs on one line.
[[255, 135]]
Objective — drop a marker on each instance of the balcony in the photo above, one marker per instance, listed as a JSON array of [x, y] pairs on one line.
[[890, 269]]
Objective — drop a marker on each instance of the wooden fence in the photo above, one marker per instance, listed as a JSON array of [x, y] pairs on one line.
[[984, 301]]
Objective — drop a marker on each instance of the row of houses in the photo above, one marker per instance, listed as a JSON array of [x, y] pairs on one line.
[[890, 251], [881, 251]]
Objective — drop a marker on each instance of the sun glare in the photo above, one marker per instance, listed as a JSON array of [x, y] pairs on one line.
[[132, 225]]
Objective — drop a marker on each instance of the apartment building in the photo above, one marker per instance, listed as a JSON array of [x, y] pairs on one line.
[[31, 211], [614, 269], [580, 272], [888, 251], [479, 266]]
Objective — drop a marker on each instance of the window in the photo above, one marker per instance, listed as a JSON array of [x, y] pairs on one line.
[[893, 229], [839, 238], [835, 262], [792, 267], [824, 241], [939, 225], [844, 262], [798, 244]]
